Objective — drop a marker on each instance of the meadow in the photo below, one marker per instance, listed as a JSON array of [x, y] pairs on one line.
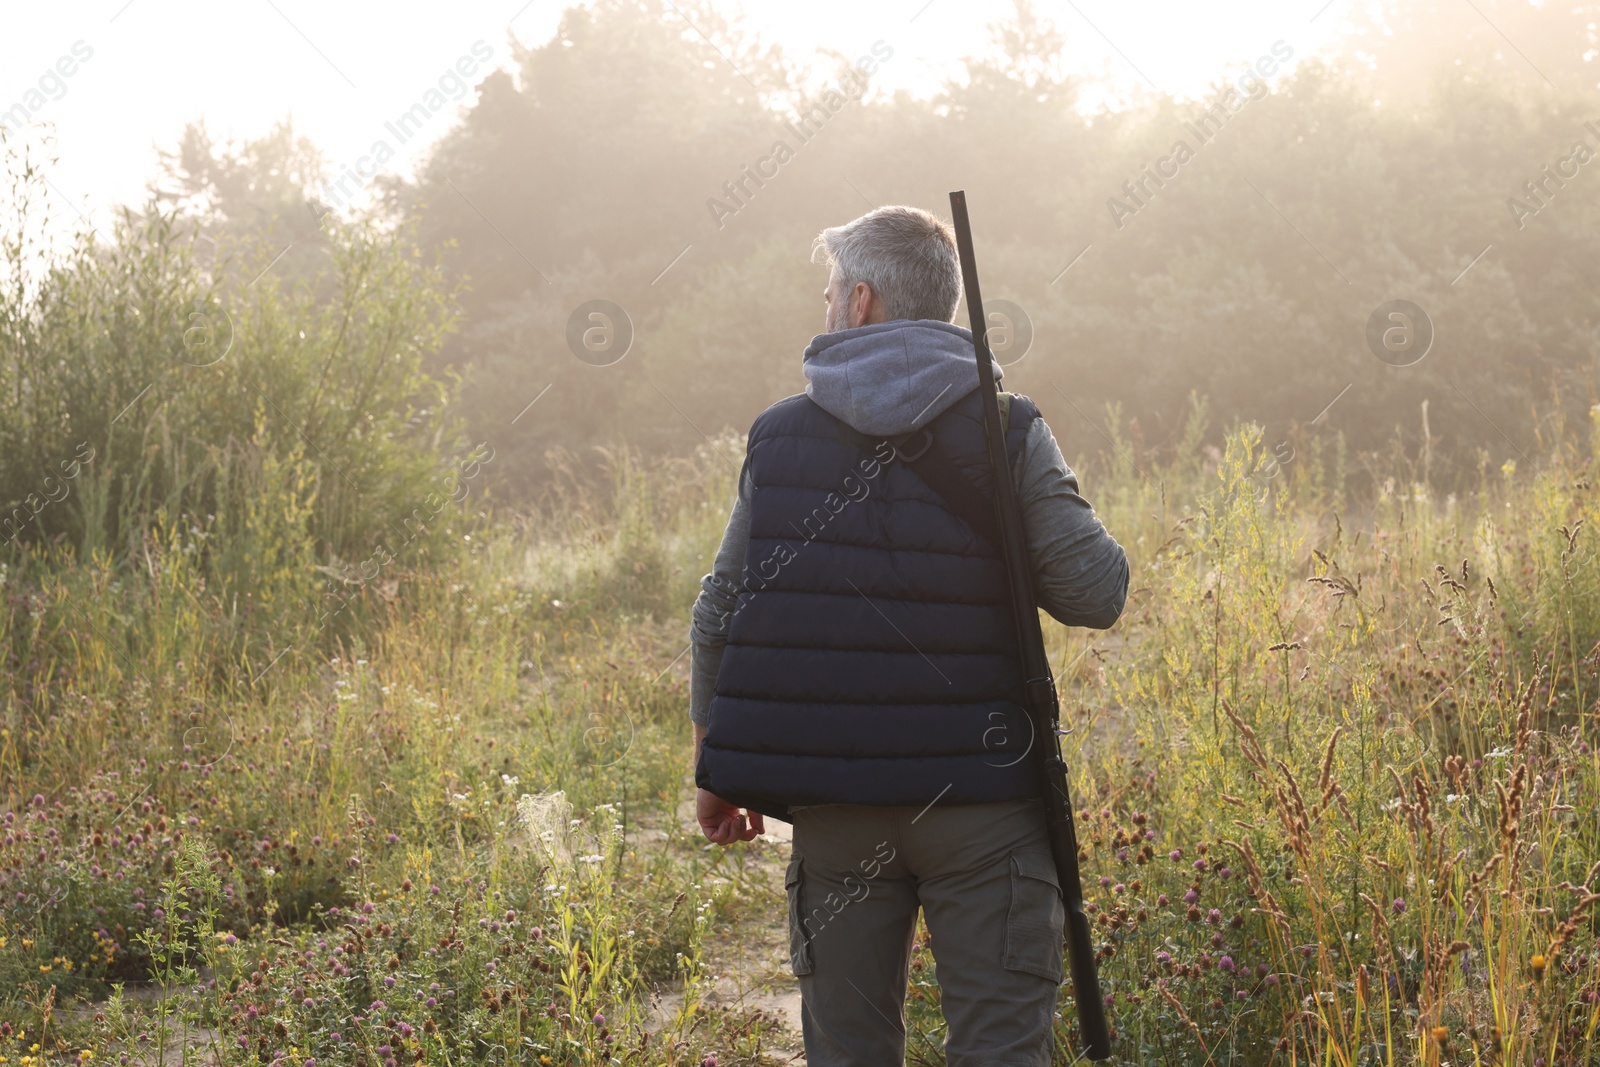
[[1335, 767]]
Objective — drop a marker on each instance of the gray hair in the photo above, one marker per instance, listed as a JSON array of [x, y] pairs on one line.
[[906, 255]]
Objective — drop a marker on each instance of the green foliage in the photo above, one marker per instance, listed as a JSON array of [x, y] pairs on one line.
[[1333, 801], [147, 389]]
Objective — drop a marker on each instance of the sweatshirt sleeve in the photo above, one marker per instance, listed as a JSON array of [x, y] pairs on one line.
[[719, 596], [1080, 571]]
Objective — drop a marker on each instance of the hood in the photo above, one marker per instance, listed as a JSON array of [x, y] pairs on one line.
[[892, 377]]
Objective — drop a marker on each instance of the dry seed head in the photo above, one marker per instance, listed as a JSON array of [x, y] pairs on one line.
[[1481, 876], [1565, 931], [1325, 782], [1379, 920], [1248, 745], [1294, 790], [1524, 708]]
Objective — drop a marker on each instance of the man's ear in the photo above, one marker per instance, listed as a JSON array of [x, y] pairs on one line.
[[861, 298]]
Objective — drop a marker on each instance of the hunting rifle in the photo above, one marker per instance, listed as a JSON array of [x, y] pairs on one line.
[[1039, 685]]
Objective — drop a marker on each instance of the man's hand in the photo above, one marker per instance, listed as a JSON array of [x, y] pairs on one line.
[[724, 823], [721, 822]]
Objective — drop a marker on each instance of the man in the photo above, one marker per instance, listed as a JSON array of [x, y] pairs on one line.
[[855, 666]]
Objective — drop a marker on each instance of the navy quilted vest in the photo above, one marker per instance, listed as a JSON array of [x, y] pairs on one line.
[[871, 657]]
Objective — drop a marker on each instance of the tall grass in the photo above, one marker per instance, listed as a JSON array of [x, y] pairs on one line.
[[1338, 781]]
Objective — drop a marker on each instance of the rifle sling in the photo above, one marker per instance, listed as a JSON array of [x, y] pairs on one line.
[[920, 451]]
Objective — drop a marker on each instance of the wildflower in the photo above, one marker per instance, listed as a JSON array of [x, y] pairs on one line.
[[1226, 963], [1163, 957], [1104, 881], [1213, 916], [1176, 855], [1271, 979], [1225, 872], [599, 1019], [1119, 888], [1163, 900], [1191, 897], [1399, 906], [709, 1061], [1538, 964]]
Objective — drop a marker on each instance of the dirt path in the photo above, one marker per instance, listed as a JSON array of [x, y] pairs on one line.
[[748, 951]]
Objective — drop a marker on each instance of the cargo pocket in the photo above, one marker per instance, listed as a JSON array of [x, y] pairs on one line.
[[799, 943], [1036, 921]]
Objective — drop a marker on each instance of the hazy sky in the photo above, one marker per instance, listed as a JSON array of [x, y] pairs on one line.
[[342, 69]]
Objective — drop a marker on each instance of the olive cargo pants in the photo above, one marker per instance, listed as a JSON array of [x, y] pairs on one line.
[[983, 876]]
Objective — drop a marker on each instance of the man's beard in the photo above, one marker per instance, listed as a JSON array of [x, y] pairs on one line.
[[839, 314]]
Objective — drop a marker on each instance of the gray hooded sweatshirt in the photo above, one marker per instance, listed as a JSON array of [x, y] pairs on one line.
[[892, 378]]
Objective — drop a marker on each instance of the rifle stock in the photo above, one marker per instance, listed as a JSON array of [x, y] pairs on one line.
[[1040, 693]]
